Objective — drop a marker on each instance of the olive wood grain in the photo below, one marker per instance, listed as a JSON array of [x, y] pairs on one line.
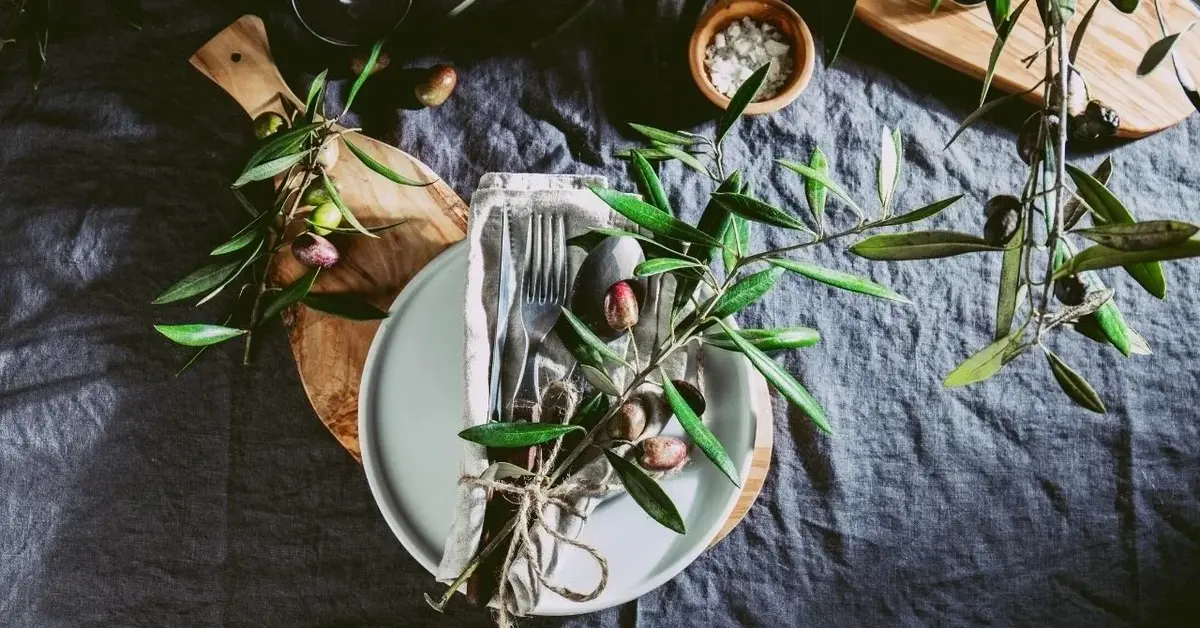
[[331, 352], [961, 37]]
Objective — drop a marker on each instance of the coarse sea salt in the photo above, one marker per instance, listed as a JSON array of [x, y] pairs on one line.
[[743, 47]]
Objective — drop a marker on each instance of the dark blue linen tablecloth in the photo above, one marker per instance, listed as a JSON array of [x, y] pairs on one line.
[[129, 497]]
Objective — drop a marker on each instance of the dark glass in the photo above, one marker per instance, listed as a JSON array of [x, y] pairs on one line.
[[351, 22]]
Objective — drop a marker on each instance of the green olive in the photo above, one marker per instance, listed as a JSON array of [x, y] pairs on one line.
[[315, 193], [436, 86], [325, 218], [268, 124]]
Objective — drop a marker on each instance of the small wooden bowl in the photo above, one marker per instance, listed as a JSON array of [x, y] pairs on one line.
[[778, 14]]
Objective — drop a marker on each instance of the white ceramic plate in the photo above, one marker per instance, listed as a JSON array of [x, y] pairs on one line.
[[410, 412]]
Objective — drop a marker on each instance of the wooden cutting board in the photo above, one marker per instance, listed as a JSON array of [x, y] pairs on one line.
[[962, 37], [331, 352]]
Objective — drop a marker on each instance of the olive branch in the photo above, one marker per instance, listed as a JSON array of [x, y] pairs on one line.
[[1038, 233], [293, 162], [704, 300]]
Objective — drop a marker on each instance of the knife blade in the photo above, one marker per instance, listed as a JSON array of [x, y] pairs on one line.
[[504, 297]]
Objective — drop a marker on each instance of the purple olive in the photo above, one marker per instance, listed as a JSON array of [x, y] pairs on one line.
[[663, 453], [315, 251], [621, 306], [629, 422]]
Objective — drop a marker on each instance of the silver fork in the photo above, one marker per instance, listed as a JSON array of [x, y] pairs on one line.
[[543, 291]]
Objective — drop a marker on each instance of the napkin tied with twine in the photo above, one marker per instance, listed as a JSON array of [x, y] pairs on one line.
[[547, 517]]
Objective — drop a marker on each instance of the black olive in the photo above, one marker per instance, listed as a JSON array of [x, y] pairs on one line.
[[1003, 216], [1097, 121], [1070, 290]]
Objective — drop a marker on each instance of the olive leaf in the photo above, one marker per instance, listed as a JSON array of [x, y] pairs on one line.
[[348, 306], [999, 10], [281, 144], [248, 234], [699, 432], [751, 208], [653, 219], [649, 184], [662, 265], [922, 213], [237, 242], [783, 381], [920, 245], [651, 154], [368, 68], [382, 169], [1125, 6], [741, 99], [737, 242], [197, 282], [814, 190], [747, 290], [688, 159], [891, 158], [198, 334], [580, 350], [249, 258], [1148, 274], [987, 108], [346, 213], [600, 380], [666, 137], [983, 363], [646, 493], [509, 435], [1140, 236], [1099, 256], [1160, 50], [1111, 323], [1075, 209], [835, 39], [714, 221], [596, 235], [316, 89], [767, 339], [1003, 29], [822, 178], [839, 279], [1072, 383], [587, 336], [269, 169], [1092, 302], [378, 229], [291, 294], [1010, 281], [1077, 38]]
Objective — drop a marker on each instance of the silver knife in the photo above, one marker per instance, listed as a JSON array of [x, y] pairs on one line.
[[504, 297]]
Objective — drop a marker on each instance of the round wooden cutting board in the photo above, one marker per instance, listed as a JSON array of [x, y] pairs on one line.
[[331, 352], [962, 37]]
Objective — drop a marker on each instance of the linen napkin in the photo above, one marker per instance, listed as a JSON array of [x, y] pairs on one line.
[[516, 197]]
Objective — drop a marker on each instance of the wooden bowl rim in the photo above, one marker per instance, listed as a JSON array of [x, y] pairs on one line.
[[803, 51]]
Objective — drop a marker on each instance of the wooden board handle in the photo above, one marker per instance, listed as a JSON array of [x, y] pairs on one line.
[[239, 60]]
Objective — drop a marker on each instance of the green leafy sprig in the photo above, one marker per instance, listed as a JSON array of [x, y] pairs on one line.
[[294, 158], [705, 298], [1048, 257]]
